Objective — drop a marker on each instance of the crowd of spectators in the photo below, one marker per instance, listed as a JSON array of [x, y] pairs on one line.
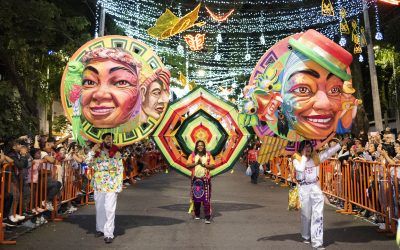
[[378, 149], [58, 163]]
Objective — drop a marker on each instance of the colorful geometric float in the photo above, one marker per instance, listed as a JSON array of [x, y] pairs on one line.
[[201, 115]]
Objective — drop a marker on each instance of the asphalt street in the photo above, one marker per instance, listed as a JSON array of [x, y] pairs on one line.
[[152, 214]]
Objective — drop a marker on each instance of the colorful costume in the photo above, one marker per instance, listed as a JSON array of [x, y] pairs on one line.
[[201, 184], [107, 183], [311, 197]]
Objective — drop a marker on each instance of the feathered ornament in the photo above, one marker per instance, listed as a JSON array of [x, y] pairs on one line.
[[73, 88], [168, 24]]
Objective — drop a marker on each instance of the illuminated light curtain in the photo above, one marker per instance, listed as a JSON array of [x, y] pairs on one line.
[[278, 22]]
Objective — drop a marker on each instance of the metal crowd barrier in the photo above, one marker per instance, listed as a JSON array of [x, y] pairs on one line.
[[371, 186]]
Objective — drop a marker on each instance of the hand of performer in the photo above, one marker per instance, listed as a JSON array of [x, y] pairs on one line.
[[96, 147]]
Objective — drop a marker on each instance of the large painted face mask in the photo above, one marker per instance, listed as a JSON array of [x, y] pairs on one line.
[[301, 89]]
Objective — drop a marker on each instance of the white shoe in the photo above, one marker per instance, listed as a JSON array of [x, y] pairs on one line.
[[43, 220], [20, 217], [319, 248], [49, 206], [306, 241], [13, 218], [197, 218], [71, 210], [207, 221]]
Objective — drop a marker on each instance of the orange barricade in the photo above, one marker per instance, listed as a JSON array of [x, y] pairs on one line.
[[5, 188], [70, 179], [367, 185]]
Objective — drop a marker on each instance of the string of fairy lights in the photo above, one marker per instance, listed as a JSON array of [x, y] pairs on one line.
[[233, 47]]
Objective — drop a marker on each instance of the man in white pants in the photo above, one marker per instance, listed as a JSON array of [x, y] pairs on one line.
[[306, 163], [106, 161]]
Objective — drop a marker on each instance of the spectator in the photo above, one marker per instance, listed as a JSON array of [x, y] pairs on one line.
[[252, 162], [19, 156], [8, 198], [53, 186], [33, 177]]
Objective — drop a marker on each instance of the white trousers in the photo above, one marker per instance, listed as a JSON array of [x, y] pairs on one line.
[[106, 204], [312, 208]]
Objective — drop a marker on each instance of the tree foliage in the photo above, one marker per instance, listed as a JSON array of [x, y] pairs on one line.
[[388, 67], [37, 38]]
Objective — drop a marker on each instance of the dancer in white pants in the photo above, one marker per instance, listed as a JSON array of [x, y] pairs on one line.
[[306, 163], [107, 183]]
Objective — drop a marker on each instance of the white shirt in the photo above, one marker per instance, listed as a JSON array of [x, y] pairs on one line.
[[48, 166], [306, 169]]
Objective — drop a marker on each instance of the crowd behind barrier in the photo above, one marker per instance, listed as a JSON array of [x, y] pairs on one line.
[[362, 178], [31, 196], [368, 188]]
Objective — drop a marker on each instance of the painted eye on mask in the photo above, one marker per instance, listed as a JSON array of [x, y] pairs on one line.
[[335, 91], [302, 91], [88, 83], [122, 84]]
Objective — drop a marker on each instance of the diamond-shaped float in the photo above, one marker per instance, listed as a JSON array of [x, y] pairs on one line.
[[201, 115]]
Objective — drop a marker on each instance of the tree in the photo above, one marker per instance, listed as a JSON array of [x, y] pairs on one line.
[[30, 30], [388, 60]]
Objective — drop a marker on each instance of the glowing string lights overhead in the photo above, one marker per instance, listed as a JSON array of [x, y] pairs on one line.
[[239, 42], [378, 34]]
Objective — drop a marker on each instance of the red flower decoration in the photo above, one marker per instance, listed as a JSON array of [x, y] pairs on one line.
[[75, 93]]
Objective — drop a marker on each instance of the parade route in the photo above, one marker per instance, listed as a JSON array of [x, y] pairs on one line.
[[153, 215]]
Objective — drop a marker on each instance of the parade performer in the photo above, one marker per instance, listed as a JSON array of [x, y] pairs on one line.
[[306, 163], [201, 162], [252, 155], [106, 161]]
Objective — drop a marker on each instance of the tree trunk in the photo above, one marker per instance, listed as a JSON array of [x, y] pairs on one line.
[[372, 70]]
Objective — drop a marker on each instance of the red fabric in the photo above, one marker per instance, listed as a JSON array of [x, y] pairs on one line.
[[328, 45], [252, 155], [111, 152]]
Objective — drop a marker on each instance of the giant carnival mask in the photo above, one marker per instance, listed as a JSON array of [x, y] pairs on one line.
[[301, 89], [115, 84]]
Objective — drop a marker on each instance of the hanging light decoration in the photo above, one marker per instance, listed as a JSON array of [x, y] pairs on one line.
[[219, 18], [378, 34], [363, 39], [196, 42], [344, 27], [247, 57], [278, 21], [262, 39], [355, 36], [342, 41], [219, 38], [217, 56], [180, 49], [327, 8]]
